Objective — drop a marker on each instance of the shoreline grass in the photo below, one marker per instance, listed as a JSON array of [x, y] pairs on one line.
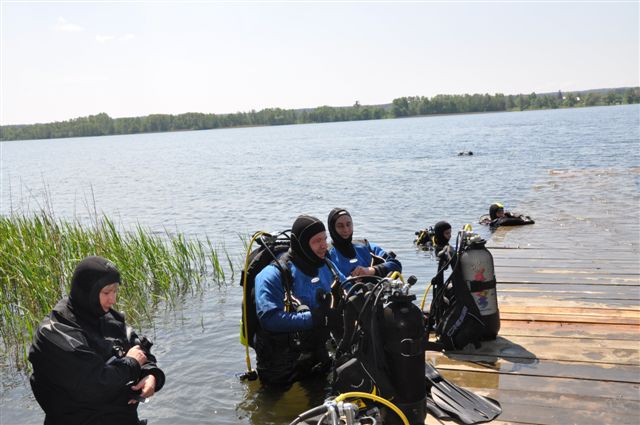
[[39, 254]]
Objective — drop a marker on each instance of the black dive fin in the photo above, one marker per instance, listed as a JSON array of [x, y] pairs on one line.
[[464, 405], [433, 408]]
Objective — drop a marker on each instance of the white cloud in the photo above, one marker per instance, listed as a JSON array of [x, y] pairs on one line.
[[84, 79], [64, 26], [104, 38]]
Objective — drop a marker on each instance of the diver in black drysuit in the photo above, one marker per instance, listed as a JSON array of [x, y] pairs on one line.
[[84, 360], [446, 257], [499, 217]]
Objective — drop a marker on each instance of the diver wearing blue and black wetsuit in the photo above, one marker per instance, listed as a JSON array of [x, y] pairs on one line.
[[355, 259], [291, 343]]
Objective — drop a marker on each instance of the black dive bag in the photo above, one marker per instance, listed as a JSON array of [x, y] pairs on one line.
[[383, 348]]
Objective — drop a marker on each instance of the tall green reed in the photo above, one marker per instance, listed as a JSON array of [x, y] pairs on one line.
[[38, 254]]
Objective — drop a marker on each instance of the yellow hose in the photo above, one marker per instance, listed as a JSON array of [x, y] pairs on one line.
[[245, 334], [425, 297], [396, 275], [386, 402]]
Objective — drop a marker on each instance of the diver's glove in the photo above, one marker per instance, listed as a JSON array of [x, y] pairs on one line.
[[321, 314]]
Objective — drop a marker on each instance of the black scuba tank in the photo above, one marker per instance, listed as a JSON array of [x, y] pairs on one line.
[[404, 335], [476, 264]]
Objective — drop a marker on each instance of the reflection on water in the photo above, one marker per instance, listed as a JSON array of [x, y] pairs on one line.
[[269, 406], [395, 176]]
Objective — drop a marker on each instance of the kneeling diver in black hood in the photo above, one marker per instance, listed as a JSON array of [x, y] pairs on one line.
[[293, 304], [88, 366]]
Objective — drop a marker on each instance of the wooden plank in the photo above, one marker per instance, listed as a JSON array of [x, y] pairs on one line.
[[542, 254], [622, 352], [574, 288], [569, 262], [590, 273], [569, 330], [569, 318], [564, 279], [624, 313], [544, 368], [577, 387], [569, 300], [551, 408]]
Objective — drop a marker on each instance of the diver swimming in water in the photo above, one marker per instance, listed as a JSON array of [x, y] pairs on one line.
[[499, 217]]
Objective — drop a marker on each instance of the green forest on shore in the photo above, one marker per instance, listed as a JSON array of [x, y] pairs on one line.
[[102, 125]]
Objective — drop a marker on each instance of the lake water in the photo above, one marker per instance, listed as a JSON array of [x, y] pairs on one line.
[[394, 176]]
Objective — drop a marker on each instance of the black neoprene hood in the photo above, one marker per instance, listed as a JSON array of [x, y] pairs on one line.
[[90, 276]]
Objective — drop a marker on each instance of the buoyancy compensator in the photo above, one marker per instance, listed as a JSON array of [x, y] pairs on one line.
[[270, 248], [424, 239], [464, 309], [382, 351]]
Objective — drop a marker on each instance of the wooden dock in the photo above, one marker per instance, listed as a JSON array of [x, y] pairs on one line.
[[569, 298]]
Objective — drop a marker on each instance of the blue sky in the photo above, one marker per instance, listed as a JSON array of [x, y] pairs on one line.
[[61, 60]]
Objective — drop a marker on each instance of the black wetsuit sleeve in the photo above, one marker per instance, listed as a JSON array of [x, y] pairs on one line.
[[150, 368], [83, 373]]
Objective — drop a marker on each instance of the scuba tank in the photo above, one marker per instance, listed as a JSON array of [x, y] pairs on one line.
[[476, 266]]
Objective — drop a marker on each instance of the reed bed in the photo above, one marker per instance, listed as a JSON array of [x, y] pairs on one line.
[[38, 254]]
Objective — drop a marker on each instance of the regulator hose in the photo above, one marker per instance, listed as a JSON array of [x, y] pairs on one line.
[[309, 414], [375, 398]]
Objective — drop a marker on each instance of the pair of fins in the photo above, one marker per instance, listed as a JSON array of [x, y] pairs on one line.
[[449, 401]]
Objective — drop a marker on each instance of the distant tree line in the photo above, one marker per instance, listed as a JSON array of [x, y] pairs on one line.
[[102, 125]]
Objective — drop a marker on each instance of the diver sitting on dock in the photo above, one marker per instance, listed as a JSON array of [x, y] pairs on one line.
[[499, 217], [293, 300], [359, 258]]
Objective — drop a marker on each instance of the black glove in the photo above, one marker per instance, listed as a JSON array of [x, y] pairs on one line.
[[320, 314]]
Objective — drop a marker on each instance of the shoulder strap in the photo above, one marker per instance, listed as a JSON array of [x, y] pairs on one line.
[[282, 264]]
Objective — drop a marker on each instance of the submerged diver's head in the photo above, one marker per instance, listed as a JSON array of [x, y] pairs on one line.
[[496, 210], [442, 233], [308, 243], [90, 277]]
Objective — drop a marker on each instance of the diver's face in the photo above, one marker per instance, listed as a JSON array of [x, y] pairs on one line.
[[344, 227], [108, 296], [500, 213], [447, 234], [318, 244]]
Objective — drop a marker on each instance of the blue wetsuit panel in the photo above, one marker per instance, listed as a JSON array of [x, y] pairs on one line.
[[363, 258], [270, 297]]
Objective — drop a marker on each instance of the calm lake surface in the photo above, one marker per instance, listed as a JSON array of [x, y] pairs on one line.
[[394, 176]]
